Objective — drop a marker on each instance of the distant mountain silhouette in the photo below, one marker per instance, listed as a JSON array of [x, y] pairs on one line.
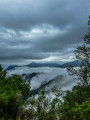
[[11, 67], [33, 64], [73, 63]]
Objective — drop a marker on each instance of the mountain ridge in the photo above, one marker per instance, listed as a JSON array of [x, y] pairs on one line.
[[33, 64]]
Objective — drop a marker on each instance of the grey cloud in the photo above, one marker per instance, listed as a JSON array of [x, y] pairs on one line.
[[58, 27], [20, 15]]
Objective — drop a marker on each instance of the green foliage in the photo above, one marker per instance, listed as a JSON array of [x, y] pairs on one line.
[[13, 91], [81, 112], [77, 112], [78, 94], [78, 97]]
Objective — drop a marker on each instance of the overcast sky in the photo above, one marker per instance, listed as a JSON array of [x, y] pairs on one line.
[[41, 30]]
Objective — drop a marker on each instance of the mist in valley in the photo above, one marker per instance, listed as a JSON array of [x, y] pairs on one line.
[[49, 76]]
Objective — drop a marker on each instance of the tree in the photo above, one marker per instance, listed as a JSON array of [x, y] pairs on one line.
[[83, 53], [77, 101], [13, 92]]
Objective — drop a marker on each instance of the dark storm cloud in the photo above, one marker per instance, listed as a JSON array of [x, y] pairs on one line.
[[22, 14], [36, 30]]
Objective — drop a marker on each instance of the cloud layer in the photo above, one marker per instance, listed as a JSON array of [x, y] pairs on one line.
[[41, 30]]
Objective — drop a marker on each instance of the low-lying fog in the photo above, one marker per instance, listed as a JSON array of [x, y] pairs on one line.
[[59, 77]]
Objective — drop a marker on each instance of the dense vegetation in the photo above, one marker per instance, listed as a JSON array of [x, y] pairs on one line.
[[13, 92], [75, 104]]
